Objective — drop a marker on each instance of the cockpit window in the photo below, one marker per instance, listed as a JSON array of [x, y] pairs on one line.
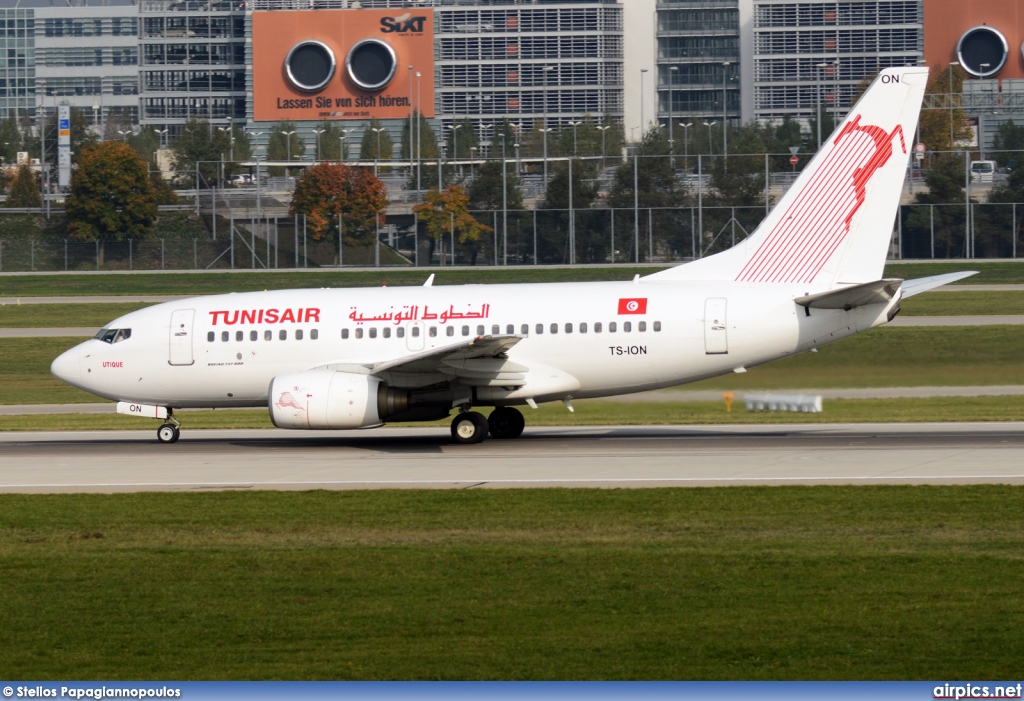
[[113, 335]]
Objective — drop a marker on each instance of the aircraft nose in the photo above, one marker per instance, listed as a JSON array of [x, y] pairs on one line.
[[66, 367]]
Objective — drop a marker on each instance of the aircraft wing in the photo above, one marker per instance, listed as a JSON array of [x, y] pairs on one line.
[[877, 292], [477, 361]]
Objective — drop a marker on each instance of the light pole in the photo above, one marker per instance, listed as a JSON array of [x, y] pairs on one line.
[[163, 136], [124, 133], [725, 112], [574, 125], [288, 141], [455, 142], [255, 147], [709, 125], [686, 141], [318, 132], [604, 150], [642, 125], [818, 101], [547, 128], [419, 132], [981, 130], [376, 159], [672, 70], [952, 65], [231, 139]]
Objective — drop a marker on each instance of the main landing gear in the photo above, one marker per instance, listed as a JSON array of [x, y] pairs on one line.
[[169, 432], [471, 426]]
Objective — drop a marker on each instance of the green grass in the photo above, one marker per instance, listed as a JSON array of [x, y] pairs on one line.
[[213, 283], [735, 583], [962, 304], [885, 357], [593, 412], [216, 283], [27, 316], [989, 273]]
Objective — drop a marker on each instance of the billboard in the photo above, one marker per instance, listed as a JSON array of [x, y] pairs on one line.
[[342, 64], [985, 37]]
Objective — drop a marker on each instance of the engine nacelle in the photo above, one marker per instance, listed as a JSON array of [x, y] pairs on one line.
[[324, 399]]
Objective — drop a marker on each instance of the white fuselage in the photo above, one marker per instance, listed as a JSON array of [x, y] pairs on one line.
[[577, 339]]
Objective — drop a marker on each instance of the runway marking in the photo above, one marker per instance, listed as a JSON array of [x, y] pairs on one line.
[[477, 483]]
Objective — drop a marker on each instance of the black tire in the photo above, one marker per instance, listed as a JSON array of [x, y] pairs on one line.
[[468, 428], [168, 433], [506, 422]]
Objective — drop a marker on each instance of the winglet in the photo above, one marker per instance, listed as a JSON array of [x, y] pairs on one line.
[[430, 281]]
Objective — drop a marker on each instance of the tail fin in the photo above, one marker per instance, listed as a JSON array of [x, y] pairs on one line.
[[834, 225]]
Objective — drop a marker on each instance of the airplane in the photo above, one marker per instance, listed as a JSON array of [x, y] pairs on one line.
[[327, 359]]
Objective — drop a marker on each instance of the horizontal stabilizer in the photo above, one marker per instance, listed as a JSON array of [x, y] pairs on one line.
[[923, 284], [877, 292]]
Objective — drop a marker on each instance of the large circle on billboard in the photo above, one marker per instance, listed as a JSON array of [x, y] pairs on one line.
[[371, 64], [310, 65], [982, 51]]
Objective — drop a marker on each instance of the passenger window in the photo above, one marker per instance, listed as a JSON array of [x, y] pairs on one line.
[[495, 329], [641, 326], [225, 336], [568, 328], [465, 330], [211, 337], [415, 331], [373, 332], [433, 332], [480, 330], [611, 327], [583, 327], [450, 331], [314, 334], [298, 334], [387, 332], [400, 332], [524, 329], [254, 335], [540, 329], [359, 333], [597, 327], [344, 334], [239, 335], [268, 335], [657, 326], [627, 326], [510, 329], [283, 334], [554, 328]]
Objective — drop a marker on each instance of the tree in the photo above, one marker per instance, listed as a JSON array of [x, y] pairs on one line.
[[23, 190], [10, 138], [934, 125], [377, 144], [329, 137], [1008, 145], [200, 146], [425, 149], [945, 179], [146, 143], [284, 144], [326, 191], [112, 197], [441, 210], [578, 178]]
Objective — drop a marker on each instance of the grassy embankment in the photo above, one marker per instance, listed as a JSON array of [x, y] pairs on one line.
[[739, 583]]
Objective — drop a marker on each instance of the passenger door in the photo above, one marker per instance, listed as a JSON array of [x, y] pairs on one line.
[[716, 340], [180, 344]]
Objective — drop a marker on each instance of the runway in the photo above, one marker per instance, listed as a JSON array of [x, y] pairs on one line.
[[606, 457]]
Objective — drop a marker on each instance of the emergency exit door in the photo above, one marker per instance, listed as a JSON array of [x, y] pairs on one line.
[[181, 337], [716, 339]]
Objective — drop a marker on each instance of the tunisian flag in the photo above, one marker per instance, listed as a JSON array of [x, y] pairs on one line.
[[635, 305]]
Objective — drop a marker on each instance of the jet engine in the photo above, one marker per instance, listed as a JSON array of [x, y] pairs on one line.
[[325, 399]]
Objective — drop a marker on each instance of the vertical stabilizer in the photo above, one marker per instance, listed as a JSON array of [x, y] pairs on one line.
[[834, 225]]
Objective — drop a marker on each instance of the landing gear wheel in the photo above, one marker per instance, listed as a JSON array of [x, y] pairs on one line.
[[168, 433], [506, 422], [470, 427]]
